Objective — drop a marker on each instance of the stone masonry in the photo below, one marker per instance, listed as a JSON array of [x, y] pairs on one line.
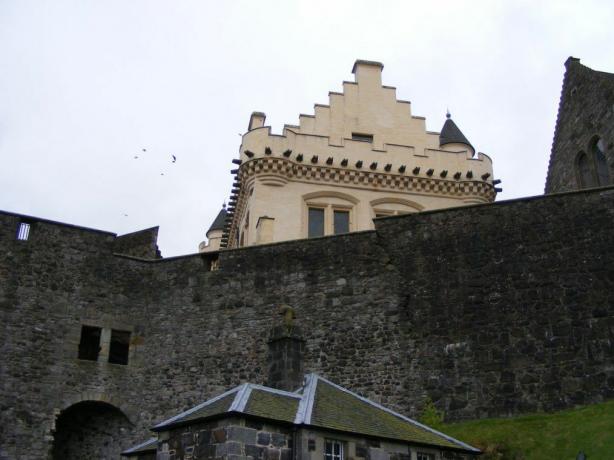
[[490, 310]]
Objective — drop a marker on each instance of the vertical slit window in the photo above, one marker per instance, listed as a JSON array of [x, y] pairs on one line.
[[119, 347], [89, 346], [23, 231], [316, 222], [341, 220]]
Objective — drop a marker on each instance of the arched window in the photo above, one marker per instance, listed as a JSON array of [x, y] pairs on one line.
[[603, 175], [592, 168]]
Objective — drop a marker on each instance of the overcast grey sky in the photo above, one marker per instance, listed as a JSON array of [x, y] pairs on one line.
[[86, 85]]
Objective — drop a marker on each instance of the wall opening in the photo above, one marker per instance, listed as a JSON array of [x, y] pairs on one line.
[[119, 347], [89, 346], [90, 429]]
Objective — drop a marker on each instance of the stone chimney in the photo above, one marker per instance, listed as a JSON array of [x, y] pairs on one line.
[[286, 349]]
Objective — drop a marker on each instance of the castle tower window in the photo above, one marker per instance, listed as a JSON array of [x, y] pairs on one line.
[[592, 169], [341, 221], [316, 222], [89, 346], [603, 175], [333, 450], [23, 231], [119, 347], [362, 137]]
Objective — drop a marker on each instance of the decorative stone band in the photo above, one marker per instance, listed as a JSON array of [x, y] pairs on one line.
[[276, 171]]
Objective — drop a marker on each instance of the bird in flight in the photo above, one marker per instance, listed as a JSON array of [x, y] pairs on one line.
[[174, 158], [144, 150], [136, 157]]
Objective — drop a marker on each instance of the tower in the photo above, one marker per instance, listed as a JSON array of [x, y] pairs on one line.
[[362, 156]]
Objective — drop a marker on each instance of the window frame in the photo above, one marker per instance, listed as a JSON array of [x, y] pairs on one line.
[[332, 455], [329, 216]]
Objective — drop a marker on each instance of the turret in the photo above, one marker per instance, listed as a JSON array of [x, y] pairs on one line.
[[452, 137], [214, 234]]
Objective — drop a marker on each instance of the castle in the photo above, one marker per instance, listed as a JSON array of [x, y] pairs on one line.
[[489, 309]]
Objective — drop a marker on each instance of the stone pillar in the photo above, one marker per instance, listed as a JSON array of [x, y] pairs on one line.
[[285, 360]]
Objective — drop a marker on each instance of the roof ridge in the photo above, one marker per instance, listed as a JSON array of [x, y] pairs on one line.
[[401, 416], [305, 406], [240, 401], [277, 391], [198, 407]]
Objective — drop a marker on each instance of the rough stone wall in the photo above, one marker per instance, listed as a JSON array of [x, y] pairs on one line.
[[586, 110], [230, 439], [490, 310], [139, 244]]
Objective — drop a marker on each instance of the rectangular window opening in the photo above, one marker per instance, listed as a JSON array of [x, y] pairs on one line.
[[425, 456], [362, 137], [316, 222], [23, 231], [341, 220], [333, 450], [119, 347], [89, 346]]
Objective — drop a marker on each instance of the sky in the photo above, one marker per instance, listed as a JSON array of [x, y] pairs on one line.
[[86, 86]]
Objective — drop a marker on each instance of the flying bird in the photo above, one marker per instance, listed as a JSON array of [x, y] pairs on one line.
[[144, 150], [174, 158], [136, 156]]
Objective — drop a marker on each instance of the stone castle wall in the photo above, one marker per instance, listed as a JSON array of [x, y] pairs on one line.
[[490, 310]]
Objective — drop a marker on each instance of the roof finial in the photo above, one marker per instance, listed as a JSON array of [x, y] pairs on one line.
[[448, 113]]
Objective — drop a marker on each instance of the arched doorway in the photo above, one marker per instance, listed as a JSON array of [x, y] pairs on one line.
[[90, 429]]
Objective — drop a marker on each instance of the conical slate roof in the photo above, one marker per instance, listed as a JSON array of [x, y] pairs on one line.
[[319, 403], [451, 134], [218, 223]]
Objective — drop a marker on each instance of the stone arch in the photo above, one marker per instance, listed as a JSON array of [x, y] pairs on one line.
[[389, 206], [91, 426], [330, 194], [584, 171]]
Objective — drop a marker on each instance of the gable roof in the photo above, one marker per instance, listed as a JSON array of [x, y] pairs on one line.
[[451, 134], [319, 403]]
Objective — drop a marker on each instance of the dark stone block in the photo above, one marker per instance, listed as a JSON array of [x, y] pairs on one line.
[[264, 438], [278, 440]]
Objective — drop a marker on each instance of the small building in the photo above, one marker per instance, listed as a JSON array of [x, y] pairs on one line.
[[361, 156], [321, 420]]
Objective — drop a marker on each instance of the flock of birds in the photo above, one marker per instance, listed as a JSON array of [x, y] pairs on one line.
[[144, 150]]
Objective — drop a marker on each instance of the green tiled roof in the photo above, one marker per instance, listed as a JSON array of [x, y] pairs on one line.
[[340, 410], [274, 406], [218, 407], [320, 404]]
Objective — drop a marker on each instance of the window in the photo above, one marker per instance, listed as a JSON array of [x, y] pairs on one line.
[[592, 168], [119, 347], [341, 221], [425, 456], [315, 222], [89, 346], [333, 450], [23, 231], [603, 175], [362, 137]]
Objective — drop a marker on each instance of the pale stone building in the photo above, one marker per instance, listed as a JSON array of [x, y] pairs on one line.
[[362, 156]]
